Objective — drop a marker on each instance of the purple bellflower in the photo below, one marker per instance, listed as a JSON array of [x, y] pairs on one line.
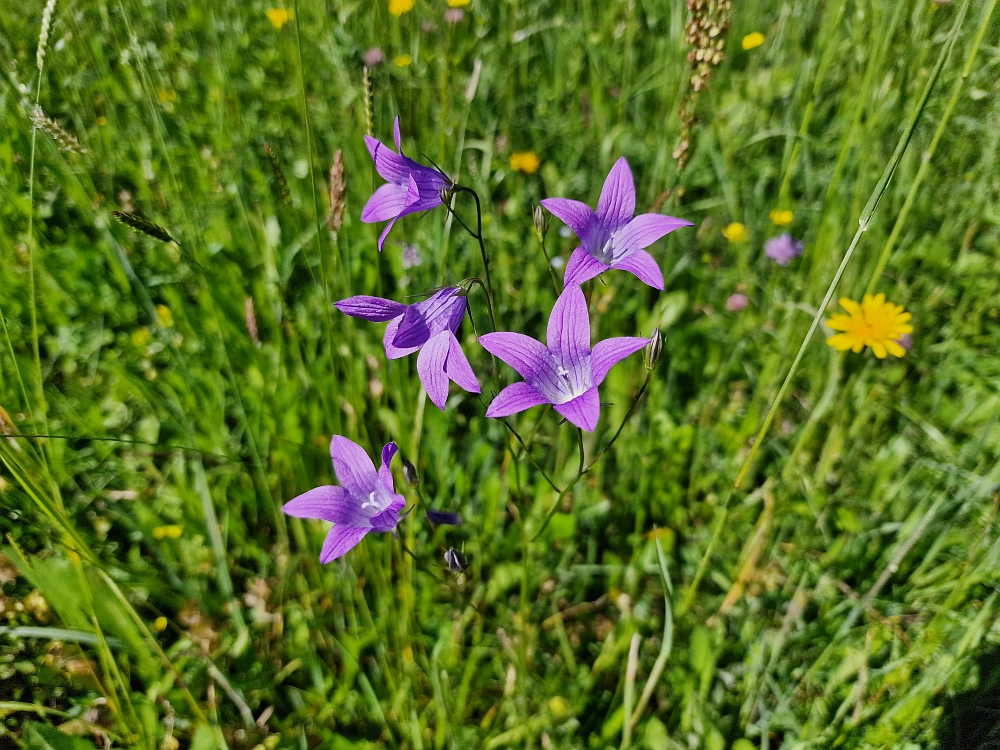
[[611, 237], [566, 373], [365, 501], [411, 187], [427, 326]]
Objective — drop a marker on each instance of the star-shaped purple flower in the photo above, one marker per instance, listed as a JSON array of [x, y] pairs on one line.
[[566, 373], [783, 249], [411, 187], [611, 237], [427, 326], [365, 501]]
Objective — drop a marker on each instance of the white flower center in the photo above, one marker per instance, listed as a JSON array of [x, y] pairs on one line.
[[370, 502]]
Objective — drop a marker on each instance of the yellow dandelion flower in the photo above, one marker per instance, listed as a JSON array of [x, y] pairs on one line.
[[753, 39], [279, 17], [167, 532], [160, 624], [458, 3], [399, 7], [525, 161], [735, 232], [781, 217], [403, 61], [874, 322]]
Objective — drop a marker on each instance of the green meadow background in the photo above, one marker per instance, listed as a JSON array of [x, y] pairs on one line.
[[153, 594]]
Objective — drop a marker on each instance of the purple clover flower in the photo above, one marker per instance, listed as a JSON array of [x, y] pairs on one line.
[[611, 237], [365, 501], [736, 302], [783, 248], [427, 326], [566, 373], [411, 187]]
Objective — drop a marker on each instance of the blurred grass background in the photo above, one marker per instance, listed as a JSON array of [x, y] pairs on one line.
[[154, 596]]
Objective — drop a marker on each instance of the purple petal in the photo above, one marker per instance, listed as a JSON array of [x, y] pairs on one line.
[[374, 309], [395, 135], [341, 540], [354, 468], [385, 233], [384, 472], [390, 166], [610, 352], [392, 351], [583, 411], [576, 215], [643, 265], [386, 203], [529, 358], [412, 191], [514, 398], [643, 231], [617, 203], [430, 368], [582, 267], [327, 503], [442, 311], [388, 519], [457, 367], [568, 332]]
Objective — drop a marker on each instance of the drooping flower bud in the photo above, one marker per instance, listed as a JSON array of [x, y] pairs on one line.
[[653, 349], [455, 560], [444, 518], [541, 222], [410, 473]]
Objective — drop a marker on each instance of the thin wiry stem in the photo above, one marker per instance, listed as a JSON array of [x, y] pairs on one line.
[[863, 223], [586, 468], [478, 235]]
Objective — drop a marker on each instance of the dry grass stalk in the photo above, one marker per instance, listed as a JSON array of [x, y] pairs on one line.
[[338, 188]]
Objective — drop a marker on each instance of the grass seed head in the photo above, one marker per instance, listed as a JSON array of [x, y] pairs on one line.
[[279, 174], [143, 225], [338, 189], [66, 140]]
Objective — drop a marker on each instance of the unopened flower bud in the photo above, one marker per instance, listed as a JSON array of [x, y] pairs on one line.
[[541, 221], [455, 560], [653, 349], [410, 473], [444, 517]]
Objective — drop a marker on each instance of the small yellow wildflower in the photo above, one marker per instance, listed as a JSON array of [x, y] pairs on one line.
[[781, 217], [753, 39], [458, 3], [160, 624], [403, 61], [166, 96], [399, 7], [102, 121], [164, 316], [167, 532], [525, 161], [874, 322], [279, 17], [559, 707], [735, 232], [141, 337]]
